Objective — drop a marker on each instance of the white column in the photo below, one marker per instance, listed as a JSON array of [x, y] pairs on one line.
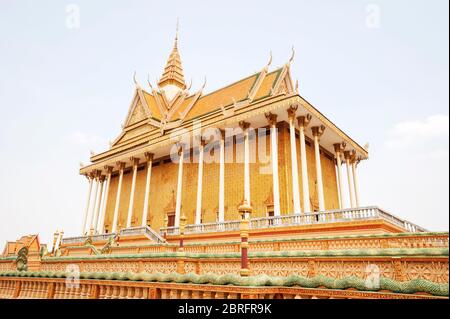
[[119, 191], [135, 162], [99, 203], [101, 222], [317, 132], [86, 210], [198, 210], [179, 186], [349, 179], [149, 157], [303, 122], [222, 177], [294, 164], [338, 148], [355, 183], [91, 223], [244, 126], [272, 118]]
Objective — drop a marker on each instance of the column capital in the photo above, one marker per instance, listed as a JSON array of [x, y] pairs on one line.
[[318, 130], [222, 133], [200, 139], [134, 161], [121, 165], [339, 147], [348, 155], [291, 112], [96, 173], [149, 156], [102, 178], [303, 120], [271, 118], [244, 125], [353, 157], [108, 169], [180, 148]]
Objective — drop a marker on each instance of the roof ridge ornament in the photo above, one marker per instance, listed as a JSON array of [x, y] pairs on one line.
[[136, 81], [266, 68], [149, 83], [291, 59]]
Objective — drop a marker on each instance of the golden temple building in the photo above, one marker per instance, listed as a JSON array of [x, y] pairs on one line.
[[247, 184]]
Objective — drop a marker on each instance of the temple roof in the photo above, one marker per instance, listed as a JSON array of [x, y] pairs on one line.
[[13, 247]]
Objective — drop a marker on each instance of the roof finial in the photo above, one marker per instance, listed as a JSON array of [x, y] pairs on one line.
[[176, 32], [270, 61], [173, 72], [292, 56]]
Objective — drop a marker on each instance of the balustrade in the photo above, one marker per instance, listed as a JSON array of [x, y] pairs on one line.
[[331, 216]]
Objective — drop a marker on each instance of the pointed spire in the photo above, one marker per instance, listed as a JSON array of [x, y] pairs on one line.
[[173, 72]]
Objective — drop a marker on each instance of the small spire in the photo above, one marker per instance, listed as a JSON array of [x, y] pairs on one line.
[[173, 72], [176, 33]]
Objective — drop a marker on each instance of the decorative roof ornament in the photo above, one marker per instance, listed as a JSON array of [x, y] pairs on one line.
[[173, 72], [291, 59], [149, 83], [266, 68], [204, 84], [135, 81], [190, 85]]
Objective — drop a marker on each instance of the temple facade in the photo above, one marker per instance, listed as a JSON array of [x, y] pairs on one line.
[[246, 192], [264, 144]]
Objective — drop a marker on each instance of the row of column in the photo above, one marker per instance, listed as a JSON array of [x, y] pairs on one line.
[[97, 210], [303, 122], [96, 223], [352, 180]]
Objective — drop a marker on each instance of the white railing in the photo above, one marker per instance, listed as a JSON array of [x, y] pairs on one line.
[[332, 216], [142, 230], [74, 240], [82, 239]]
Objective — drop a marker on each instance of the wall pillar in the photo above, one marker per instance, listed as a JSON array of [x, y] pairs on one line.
[[303, 122], [99, 204], [119, 190], [244, 126], [101, 223], [338, 149], [351, 190], [149, 157], [295, 189], [179, 185], [198, 210], [222, 177], [317, 133], [355, 181], [91, 223], [272, 119], [135, 162], [86, 211]]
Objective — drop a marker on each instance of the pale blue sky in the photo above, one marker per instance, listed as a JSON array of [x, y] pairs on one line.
[[65, 91]]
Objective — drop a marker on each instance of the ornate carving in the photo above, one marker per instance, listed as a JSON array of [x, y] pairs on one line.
[[304, 120], [22, 259]]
